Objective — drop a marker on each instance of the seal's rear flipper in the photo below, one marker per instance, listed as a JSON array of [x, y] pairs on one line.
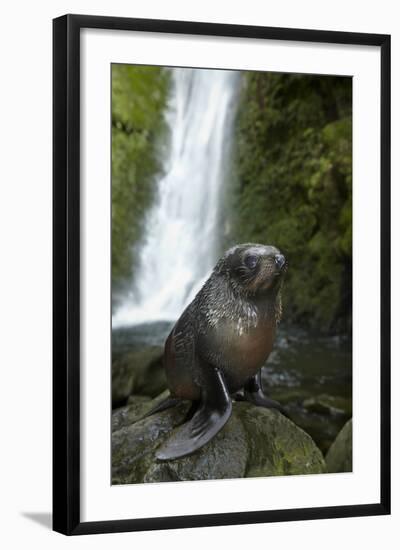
[[165, 404], [254, 393], [214, 412]]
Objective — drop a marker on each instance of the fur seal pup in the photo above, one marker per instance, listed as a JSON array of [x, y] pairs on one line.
[[220, 342]]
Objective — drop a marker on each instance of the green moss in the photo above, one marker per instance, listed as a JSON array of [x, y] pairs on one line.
[[292, 187], [290, 184], [340, 455], [255, 442], [139, 96], [276, 445]]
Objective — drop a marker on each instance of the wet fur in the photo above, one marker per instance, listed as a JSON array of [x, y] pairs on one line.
[[230, 324], [220, 342]]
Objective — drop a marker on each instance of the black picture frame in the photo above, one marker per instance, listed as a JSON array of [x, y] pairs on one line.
[[66, 273]]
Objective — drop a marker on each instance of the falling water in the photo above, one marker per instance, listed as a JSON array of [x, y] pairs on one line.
[[182, 228]]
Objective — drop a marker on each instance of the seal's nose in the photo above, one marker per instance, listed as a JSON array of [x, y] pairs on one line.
[[280, 260]]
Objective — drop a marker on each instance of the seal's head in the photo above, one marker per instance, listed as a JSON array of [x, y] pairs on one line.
[[253, 268]]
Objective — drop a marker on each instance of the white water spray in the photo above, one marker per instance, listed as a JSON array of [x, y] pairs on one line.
[[182, 228]]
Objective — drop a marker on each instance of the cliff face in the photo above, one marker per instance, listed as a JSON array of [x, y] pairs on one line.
[[139, 98], [291, 186]]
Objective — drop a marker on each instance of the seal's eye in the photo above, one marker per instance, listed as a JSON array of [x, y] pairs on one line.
[[251, 261]]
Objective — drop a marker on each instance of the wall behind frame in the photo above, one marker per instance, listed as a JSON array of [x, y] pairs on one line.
[[25, 289]]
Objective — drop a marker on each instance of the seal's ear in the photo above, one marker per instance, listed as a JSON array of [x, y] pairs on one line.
[[229, 261], [220, 267]]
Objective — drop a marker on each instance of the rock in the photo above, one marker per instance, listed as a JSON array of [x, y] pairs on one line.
[[277, 446], [339, 458], [328, 404], [138, 371], [255, 442], [137, 407]]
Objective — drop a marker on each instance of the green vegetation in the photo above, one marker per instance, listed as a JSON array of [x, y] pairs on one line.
[[290, 181], [139, 96], [292, 187]]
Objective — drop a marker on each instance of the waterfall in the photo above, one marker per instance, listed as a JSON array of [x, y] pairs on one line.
[[180, 245]]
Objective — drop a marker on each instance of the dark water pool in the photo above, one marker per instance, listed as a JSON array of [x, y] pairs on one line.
[[312, 376]]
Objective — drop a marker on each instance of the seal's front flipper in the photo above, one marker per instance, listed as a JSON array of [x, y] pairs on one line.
[[213, 413], [254, 393]]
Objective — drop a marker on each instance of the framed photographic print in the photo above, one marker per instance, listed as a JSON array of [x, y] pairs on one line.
[[221, 274]]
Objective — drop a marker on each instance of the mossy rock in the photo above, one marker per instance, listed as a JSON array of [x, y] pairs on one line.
[[139, 371], [339, 458], [137, 406], [255, 442], [328, 404]]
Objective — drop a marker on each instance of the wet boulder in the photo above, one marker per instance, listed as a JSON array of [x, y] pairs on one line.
[[255, 442], [339, 458], [137, 361], [328, 404], [139, 371], [136, 407]]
